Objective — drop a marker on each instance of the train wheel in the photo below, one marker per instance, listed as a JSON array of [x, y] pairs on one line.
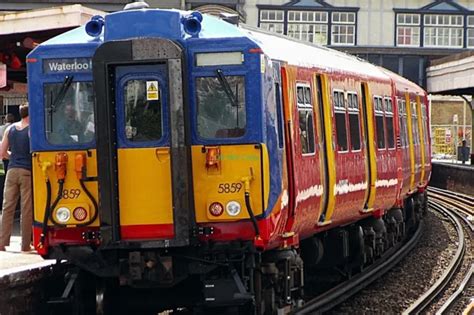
[[105, 298], [410, 216]]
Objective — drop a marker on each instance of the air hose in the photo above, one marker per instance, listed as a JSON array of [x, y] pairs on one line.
[[48, 209], [246, 180], [46, 213], [252, 216]]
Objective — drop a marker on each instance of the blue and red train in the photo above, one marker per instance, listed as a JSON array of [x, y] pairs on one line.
[[189, 162]]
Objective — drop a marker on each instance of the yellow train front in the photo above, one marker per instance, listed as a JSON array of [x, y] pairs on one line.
[[175, 162]]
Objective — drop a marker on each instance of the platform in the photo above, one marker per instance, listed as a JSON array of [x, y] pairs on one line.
[[13, 260]]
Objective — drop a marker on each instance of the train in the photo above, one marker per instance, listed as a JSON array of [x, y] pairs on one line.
[[183, 161]]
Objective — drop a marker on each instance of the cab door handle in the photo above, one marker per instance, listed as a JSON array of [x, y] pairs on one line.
[[162, 154]]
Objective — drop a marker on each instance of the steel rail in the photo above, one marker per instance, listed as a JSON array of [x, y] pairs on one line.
[[424, 301], [467, 279], [459, 210], [447, 305], [460, 205], [466, 199], [343, 291]]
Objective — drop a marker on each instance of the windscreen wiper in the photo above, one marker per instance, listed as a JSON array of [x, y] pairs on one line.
[[62, 92], [225, 85]]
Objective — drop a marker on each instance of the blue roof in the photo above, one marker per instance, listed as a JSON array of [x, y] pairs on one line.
[[148, 23], [75, 36]]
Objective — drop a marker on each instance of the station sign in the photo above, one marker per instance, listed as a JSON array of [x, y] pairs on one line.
[[3, 76], [67, 65]]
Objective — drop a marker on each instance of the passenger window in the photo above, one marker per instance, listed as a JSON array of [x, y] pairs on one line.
[[306, 119], [379, 122], [402, 123], [69, 112], [389, 123], [142, 116], [354, 127], [425, 122], [279, 114], [340, 113], [414, 119], [221, 107]]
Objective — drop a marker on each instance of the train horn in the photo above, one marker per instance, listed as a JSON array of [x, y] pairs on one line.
[[192, 23], [94, 26]]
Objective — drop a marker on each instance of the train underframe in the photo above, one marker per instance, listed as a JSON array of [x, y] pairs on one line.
[[231, 277]]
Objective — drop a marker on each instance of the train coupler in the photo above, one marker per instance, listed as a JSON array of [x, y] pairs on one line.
[[226, 291]]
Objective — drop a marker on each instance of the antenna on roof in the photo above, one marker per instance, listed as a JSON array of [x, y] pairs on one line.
[[230, 18], [136, 5]]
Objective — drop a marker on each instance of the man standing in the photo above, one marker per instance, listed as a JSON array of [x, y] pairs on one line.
[[18, 181], [10, 119]]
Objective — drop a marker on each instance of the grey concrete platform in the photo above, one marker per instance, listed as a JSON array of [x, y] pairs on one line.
[[13, 260]]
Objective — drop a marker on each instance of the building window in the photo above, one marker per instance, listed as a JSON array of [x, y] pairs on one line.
[[443, 30], [408, 29], [272, 20], [305, 116], [343, 28], [470, 31], [308, 26]]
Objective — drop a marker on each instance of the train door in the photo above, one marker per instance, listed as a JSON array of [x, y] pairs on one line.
[[303, 159], [326, 152], [143, 162], [143, 152], [369, 146]]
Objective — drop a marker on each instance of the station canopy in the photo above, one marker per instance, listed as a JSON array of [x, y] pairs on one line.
[[22, 31], [452, 75]]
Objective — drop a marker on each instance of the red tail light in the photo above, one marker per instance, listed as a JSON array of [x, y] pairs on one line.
[[80, 214], [216, 209]]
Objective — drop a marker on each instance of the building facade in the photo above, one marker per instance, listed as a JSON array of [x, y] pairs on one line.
[[401, 35]]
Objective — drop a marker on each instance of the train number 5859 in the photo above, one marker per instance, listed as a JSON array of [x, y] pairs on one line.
[[229, 188]]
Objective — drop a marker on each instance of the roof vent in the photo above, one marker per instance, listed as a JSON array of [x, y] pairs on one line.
[[136, 5], [230, 18]]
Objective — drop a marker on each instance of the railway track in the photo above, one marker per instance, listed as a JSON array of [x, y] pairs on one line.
[[329, 299], [458, 209]]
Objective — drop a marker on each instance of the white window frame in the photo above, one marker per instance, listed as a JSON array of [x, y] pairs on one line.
[[441, 27], [276, 14], [299, 26], [407, 21], [275, 25], [346, 35], [470, 31]]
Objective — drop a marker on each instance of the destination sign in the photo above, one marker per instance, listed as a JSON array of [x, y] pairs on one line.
[[67, 65]]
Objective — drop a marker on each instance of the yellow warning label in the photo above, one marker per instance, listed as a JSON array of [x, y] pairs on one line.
[[152, 93]]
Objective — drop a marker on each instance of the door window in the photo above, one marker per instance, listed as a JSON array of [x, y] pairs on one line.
[[306, 118], [143, 110]]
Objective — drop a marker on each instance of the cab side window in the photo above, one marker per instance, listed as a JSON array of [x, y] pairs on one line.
[[306, 118]]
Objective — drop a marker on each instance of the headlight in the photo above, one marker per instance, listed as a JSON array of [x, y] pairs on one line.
[[233, 208], [63, 214]]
